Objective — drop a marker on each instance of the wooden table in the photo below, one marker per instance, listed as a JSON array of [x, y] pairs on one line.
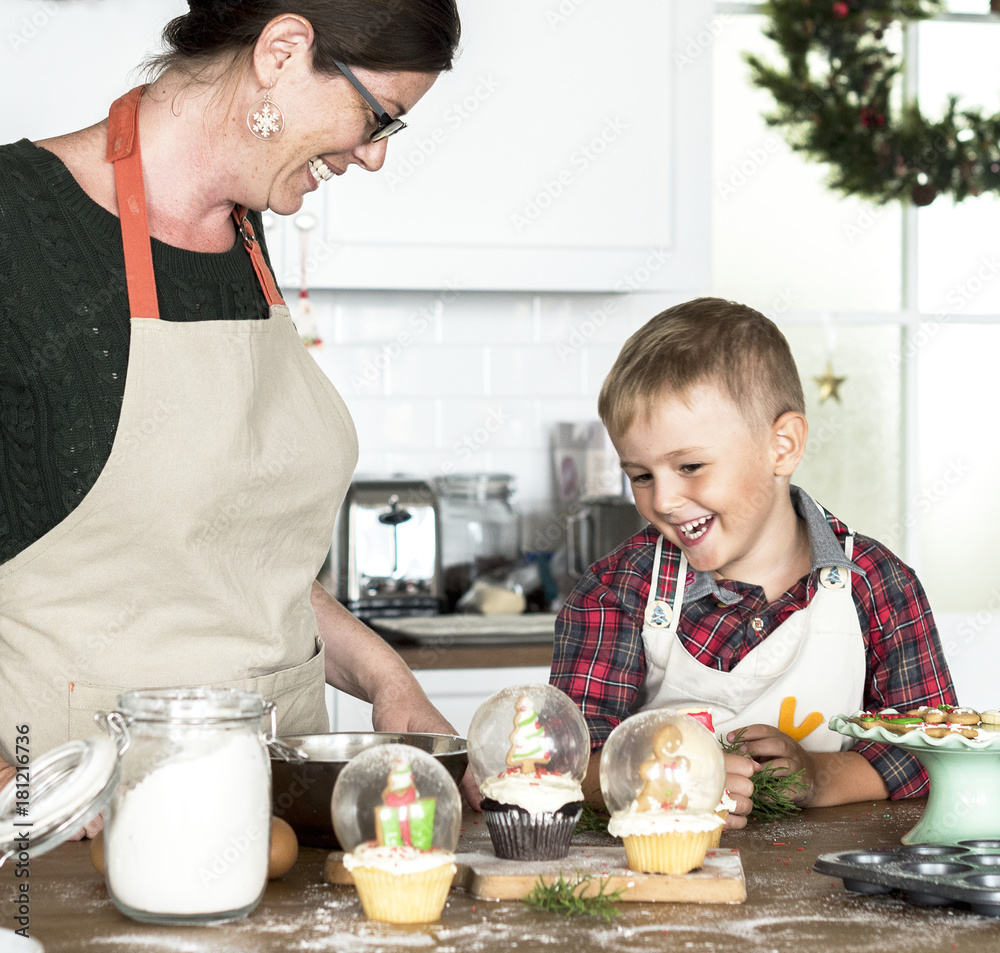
[[789, 908]]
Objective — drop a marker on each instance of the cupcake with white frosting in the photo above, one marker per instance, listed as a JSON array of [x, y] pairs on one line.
[[662, 776], [528, 749]]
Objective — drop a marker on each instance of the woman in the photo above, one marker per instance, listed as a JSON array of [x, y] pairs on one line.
[[169, 485]]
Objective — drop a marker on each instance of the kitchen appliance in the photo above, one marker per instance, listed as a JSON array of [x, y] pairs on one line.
[[480, 530], [387, 548], [584, 461], [597, 526]]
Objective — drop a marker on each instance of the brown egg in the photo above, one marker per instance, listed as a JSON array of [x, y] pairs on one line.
[[284, 848], [97, 853]]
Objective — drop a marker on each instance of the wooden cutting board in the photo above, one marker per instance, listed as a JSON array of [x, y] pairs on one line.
[[484, 875]]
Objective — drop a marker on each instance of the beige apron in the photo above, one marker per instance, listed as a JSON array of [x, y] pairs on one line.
[[190, 560], [808, 669]]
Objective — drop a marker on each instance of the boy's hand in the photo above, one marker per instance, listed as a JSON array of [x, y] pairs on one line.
[[765, 744], [739, 770]]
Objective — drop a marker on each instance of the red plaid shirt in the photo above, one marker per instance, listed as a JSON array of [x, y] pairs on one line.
[[599, 661]]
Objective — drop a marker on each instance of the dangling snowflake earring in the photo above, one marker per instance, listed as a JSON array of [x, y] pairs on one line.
[[265, 118]]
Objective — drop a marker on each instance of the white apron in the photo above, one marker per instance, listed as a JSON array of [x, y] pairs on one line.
[[808, 669], [190, 560]]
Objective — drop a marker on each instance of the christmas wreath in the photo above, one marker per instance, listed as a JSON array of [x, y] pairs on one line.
[[834, 101]]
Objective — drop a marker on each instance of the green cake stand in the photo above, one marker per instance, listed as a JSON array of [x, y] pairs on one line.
[[964, 799]]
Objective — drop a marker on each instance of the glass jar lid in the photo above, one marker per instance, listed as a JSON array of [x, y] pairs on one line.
[[69, 786], [194, 706]]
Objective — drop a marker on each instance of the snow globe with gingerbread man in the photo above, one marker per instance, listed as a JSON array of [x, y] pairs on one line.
[[662, 775], [397, 814], [528, 749]]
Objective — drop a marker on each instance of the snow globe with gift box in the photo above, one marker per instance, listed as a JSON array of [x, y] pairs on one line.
[[397, 814]]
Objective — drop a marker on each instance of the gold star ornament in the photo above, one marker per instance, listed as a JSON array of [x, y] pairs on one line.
[[829, 384]]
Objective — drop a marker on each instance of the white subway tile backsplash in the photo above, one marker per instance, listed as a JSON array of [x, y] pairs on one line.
[[471, 381], [444, 371]]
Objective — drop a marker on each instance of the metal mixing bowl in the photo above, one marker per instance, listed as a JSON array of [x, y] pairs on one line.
[[302, 792]]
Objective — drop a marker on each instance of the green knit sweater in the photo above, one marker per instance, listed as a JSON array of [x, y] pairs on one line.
[[64, 334]]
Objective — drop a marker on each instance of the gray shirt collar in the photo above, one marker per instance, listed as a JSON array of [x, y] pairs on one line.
[[824, 550]]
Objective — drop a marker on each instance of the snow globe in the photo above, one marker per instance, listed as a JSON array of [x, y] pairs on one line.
[[662, 775], [397, 814], [528, 749]]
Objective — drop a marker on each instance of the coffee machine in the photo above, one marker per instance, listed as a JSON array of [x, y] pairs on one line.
[[387, 549]]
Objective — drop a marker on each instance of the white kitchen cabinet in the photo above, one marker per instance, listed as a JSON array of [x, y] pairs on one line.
[[568, 150], [455, 692], [65, 63]]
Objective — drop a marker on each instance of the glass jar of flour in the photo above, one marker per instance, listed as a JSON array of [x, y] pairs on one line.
[[187, 832]]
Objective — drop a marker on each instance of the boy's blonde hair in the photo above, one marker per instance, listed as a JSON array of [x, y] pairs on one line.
[[705, 340]]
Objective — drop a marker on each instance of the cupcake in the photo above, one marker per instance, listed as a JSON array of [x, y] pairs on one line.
[[528, 749], [396, 812], [662, 775]]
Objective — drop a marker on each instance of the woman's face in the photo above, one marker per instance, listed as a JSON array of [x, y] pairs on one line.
[[328, 127]]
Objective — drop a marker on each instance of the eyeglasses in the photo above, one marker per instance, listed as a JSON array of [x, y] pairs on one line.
[[387, 126]]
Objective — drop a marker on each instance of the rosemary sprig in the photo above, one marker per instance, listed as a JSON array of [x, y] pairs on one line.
[[773, 793], [591, 819], [564, 896]]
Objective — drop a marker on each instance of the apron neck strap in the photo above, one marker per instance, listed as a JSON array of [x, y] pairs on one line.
[[251, 244], [123, 150]]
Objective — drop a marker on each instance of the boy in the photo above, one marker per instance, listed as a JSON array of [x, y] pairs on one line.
[[785, 617]]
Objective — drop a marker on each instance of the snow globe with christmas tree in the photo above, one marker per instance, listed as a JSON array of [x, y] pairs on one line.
[[397, 814], [662, 775], [528, 749]]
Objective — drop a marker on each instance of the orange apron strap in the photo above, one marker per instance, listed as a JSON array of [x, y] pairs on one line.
[[264, 275], [123, 151]]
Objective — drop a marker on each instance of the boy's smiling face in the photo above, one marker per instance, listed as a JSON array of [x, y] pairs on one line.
[[711, 482]]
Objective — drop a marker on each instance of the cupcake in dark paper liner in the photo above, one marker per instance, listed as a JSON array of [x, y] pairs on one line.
[[528, 749]]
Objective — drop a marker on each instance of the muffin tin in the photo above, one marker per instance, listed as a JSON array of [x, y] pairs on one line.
[[966, 874]]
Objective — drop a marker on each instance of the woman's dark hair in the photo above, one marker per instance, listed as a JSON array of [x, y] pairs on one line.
[[418, 36]]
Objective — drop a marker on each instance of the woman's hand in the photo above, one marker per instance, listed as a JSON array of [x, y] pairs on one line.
[[91, 829], [413, 711]]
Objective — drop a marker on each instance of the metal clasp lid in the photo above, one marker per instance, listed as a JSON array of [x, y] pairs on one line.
[[284, 751]]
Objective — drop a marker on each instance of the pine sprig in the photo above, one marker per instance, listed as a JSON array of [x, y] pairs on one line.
[[591, 819], [773, 793], [566, 897]]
